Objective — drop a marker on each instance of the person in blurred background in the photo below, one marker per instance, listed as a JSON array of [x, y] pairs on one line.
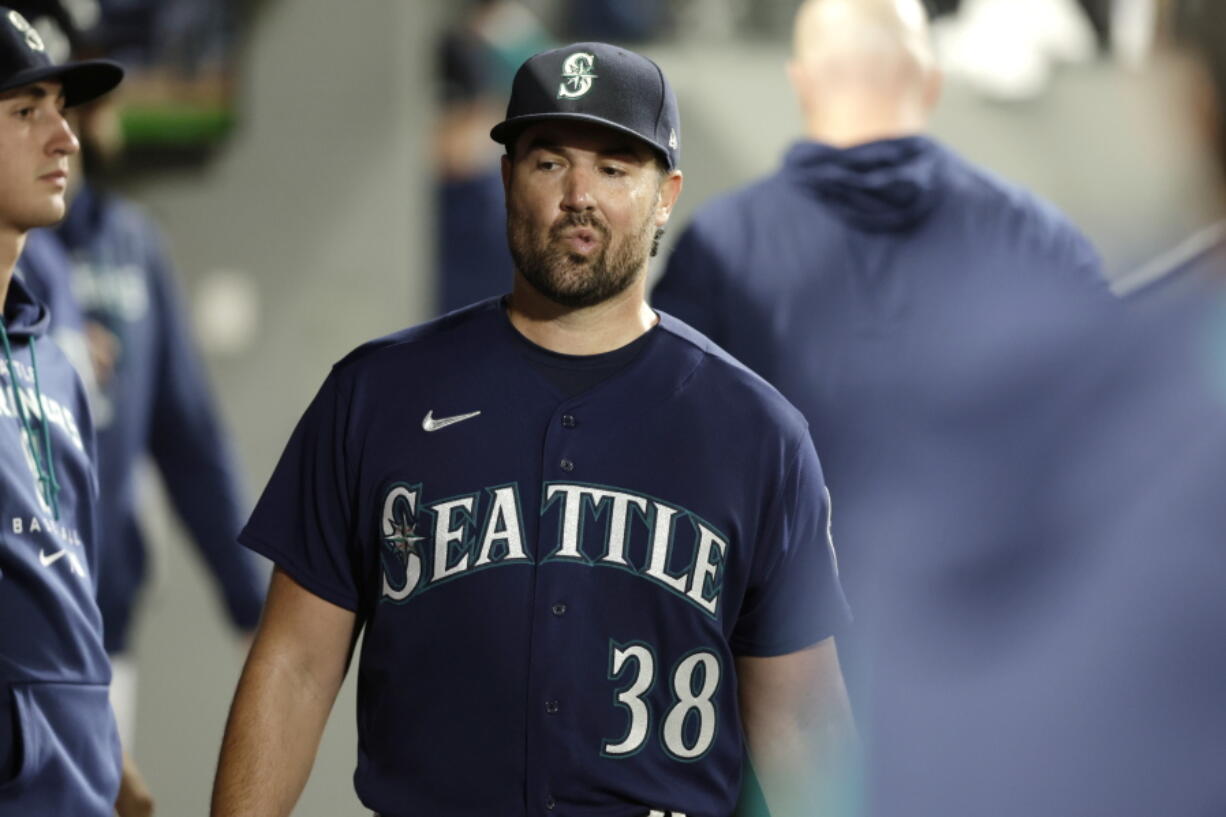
[[106, 271], [153, 399], [826, 276], [59, 748], [1072, 663], [477, 58]]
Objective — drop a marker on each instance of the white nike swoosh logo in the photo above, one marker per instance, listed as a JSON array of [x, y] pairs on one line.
[[430, 424], [52, 559]]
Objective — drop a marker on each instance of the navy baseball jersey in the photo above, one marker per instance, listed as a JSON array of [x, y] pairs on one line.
[[554, 589], [156, 401], [59, 750]]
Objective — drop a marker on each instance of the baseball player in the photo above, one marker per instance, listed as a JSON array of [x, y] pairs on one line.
[[59, 751], [830, 277], [586, 549]]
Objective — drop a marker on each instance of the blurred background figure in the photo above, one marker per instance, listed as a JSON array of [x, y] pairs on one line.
[[478, 56], [1072, 663], [108, 279], [152, 399], [830, 277]]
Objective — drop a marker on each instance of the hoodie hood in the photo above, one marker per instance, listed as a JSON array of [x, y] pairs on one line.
[[24, 315], [84, 217], [885, 186]]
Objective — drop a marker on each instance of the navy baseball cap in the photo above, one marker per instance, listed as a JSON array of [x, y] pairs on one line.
[[596, 82], [24, 61]]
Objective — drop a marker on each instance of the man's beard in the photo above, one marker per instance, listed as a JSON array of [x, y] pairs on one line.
[[568, 278]]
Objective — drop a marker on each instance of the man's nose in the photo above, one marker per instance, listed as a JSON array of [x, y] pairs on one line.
[[63, 141], [577, 194]]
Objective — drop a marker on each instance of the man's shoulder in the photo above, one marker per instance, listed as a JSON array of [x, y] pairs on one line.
[[757, 198], [733, 388], [982, 190], [457, 331]]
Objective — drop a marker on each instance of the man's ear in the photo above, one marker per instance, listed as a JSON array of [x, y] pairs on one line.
[[670, 190]]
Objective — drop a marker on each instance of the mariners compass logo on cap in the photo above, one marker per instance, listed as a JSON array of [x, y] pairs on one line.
[[577, 75], [634, 96], [21, 24]]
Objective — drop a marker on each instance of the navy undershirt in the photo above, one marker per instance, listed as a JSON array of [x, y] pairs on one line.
[[575, 374]]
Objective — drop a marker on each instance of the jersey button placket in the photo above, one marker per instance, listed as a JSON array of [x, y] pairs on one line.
[[567, 421]]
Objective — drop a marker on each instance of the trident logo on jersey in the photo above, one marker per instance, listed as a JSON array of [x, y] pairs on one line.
[[399, 529], [577, 75]]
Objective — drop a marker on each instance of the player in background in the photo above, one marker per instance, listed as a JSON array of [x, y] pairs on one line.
[[108, 278], [59, 749], [587, 551], [153, 399], [830, 275], [1071, 661]]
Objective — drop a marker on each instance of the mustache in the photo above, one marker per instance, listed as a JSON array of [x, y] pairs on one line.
[[586, 220]]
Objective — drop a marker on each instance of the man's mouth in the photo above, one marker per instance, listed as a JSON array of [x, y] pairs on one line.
[[582, 240], [56, 177]]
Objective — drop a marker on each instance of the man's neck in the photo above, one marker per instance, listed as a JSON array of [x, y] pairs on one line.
[[12, 241], [588, 330]]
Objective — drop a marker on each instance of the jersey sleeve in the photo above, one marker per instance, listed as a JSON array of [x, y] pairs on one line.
[[303, 520], [794, 599]]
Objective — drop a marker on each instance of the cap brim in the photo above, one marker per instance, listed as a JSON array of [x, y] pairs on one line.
[[507, 130], [83, 81]]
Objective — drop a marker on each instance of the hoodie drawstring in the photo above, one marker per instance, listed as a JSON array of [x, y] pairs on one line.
[[44, 462]]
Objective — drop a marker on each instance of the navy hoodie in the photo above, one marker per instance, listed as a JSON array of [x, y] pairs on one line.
[[59, 749], [880, 288], [1066, 654], [157, 401]]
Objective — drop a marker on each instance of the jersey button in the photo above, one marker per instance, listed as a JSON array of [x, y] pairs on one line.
[[550, 803], [551, 707], [559, 609], [568, 421], [567, 465]]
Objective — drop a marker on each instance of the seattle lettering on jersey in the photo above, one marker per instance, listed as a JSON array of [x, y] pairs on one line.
[[428, 544]]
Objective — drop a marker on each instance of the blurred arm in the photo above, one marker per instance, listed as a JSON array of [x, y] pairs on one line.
[[192, 449], [287, 689], [135, 799], [799, 729]]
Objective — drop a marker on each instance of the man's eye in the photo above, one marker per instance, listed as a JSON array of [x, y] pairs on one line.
[[611, 171], [26, 112], [546, 164]]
